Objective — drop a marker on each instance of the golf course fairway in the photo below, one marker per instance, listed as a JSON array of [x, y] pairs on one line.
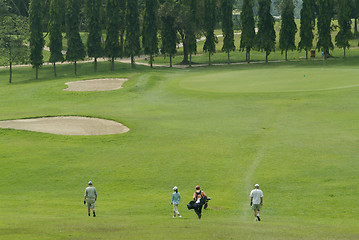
[[290, 127], [283, 79]]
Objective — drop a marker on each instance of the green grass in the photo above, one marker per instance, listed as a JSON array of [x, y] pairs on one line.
[[224, 128]]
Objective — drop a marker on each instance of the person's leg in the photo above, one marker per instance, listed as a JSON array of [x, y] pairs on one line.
[[93, 212], [197, 212], [88, 211], [258, 212], [174, 210], [200, 212]]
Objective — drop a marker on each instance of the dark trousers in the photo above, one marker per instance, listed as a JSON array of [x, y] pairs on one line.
[[198, 211]]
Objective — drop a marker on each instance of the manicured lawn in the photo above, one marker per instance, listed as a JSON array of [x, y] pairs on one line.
[[291, 127]]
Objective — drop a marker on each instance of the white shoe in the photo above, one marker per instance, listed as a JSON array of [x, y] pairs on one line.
[[179, 216], [173, 217]]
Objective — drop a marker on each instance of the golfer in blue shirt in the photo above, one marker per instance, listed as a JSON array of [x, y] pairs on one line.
[[176, 197]]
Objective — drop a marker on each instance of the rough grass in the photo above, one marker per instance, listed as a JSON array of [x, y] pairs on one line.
[[300, 146]]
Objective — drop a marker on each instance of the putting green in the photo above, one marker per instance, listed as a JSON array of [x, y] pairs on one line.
[[284, 79]]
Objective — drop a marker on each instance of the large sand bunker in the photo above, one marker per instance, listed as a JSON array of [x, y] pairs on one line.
[[67, 125], [96, 85]]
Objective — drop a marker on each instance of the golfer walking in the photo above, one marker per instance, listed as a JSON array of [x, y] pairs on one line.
[[176, 197], [90, 197], [256, 201], [199, 197]]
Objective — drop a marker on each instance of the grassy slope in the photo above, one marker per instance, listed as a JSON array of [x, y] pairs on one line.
[[300, 146]]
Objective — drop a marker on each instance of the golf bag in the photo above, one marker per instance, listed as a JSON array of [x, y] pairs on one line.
[[206, 204], [193, 204]]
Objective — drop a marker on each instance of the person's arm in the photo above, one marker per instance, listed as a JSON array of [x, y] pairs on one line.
[[203, 194], [179, 199], [172, 198], [194, 196], [261, 201], [95, 194], [85, 197], [251, 201]]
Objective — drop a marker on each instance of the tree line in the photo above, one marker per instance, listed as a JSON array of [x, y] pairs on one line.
[[124, 28]]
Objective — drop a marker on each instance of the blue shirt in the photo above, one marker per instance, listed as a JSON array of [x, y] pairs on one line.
[[176, 197]]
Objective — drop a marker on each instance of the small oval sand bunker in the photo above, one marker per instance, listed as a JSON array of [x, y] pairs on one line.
[[67, 125], [96, 85]]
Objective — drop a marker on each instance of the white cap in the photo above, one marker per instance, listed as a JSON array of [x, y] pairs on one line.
[[175, 188], [90, 183], [257, 185]]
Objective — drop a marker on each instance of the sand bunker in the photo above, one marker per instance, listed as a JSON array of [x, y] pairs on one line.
[[96, 85], [67, 125]]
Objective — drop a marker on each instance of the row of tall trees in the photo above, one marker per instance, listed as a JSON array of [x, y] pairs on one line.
[[166, 23]]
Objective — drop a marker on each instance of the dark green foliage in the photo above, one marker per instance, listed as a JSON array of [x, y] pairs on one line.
[[36, 35], [209, 26], [355, 15], [149, 32], [19, 7], [227, 27], [112, 45], [75, 47], [307, 24], [13, 33], [4, 9], [190, 28], [288, 28], [168, 29], [94, 44], [122, 5], [344, 20], [325, 14], [55, 33], [266, 34], [248, 26], [132, 41]]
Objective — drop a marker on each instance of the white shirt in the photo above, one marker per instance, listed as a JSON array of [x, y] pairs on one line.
[[256, 194]]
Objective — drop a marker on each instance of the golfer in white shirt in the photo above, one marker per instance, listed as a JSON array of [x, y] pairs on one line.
[[256, 201]]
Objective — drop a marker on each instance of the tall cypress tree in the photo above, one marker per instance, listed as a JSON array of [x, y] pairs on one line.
[[149, 32], [132, 41], [344, 20], [266, 34], [227, 27], [36, 35], [75, 47], [210, 24], [307, 24], [288, 28], [55, 33], [325, 14], [112, 45], [355, 8], [94, 44], [168, 29], [248, 28], [122, 13], [191, 28]]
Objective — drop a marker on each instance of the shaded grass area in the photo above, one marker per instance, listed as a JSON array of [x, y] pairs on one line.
[[299, 146]]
